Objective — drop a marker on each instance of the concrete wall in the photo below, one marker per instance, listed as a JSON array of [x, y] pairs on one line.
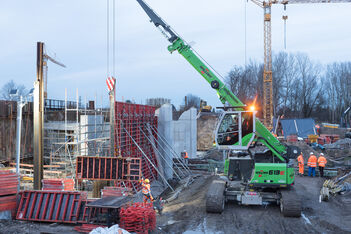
[[91, 127], [184, 133], [165, 129], [180, 135]]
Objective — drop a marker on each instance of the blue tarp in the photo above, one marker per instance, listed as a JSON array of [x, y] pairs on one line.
[[300, 127]]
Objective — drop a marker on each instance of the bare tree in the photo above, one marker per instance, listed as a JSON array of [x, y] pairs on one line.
[[11, 85]]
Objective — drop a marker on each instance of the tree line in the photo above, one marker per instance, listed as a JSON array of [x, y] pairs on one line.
[[302, 88]]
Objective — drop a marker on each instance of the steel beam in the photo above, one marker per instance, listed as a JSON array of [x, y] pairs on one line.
[[38, 118]]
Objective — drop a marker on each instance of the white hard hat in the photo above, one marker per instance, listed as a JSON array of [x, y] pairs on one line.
[[311, 153], [322, 154]]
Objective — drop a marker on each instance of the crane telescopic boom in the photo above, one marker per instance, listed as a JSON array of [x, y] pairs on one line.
[[225, 94]]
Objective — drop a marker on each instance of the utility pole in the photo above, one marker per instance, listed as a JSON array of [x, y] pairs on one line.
[[38, 119]]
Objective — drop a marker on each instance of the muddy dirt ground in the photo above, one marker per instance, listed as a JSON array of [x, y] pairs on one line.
[[187, 214]]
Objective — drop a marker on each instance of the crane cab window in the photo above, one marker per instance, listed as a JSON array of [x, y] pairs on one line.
[[233, 127]]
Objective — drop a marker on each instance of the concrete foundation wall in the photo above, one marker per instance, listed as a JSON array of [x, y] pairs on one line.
[[184, 133], [180, 135], [165, 129]]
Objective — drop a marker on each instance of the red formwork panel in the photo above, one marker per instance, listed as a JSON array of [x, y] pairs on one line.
[[51, 206], [132, 119], [108, 168]]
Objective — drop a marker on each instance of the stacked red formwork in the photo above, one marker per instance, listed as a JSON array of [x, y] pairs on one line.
[[115, 191], [132, 137], [58, 184], [138, 217], [8, 191]]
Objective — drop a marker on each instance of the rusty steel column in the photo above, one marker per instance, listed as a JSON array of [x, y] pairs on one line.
[[38, 119]]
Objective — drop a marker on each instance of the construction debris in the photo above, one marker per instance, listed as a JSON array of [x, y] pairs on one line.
[[334, 187], [112, 230], [340, 144]]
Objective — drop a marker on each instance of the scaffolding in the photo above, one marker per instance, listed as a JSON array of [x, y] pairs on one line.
[[83, 131]]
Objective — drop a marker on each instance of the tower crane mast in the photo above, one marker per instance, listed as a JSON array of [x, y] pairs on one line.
[[268, 106]]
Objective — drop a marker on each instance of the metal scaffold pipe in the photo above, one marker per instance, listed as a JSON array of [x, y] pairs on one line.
[[159, 152], [154, 138], [172, 150], [164, 179]]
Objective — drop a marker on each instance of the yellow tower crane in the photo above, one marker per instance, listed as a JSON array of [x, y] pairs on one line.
[[267, 71]]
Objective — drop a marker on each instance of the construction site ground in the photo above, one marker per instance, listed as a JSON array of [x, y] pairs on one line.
[[187, 214]]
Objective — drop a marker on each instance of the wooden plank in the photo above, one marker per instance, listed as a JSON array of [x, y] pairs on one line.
[[31, 165]]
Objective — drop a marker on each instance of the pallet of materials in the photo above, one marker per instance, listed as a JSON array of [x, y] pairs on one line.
[[58, 184]]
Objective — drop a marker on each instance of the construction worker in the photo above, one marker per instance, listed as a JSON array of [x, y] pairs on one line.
[[186, 157], [146, 190], [301, 164], [312, 164], [321, 164]]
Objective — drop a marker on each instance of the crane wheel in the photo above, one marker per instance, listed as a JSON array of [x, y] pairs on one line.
[[215, 198], [290, 203], [215, 84]]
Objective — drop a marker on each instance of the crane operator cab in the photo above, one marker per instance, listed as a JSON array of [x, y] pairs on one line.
[[235, 130]]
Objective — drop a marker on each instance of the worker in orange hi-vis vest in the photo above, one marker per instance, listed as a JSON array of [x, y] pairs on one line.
[[312, 164], [146, 190], [301, 164], [185, 157], [321, 164]]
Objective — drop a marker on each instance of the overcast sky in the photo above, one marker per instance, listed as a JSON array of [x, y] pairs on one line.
[[75, 32]]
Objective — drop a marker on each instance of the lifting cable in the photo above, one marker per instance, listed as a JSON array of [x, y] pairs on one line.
[[108, 37], [108, 42]]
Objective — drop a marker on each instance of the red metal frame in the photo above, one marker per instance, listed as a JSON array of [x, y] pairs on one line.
[[108, 168], [134, 117], [51, 206]]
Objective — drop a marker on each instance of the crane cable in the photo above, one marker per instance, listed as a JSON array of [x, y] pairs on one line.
[[108, 37], [114, 38], [108, 42]]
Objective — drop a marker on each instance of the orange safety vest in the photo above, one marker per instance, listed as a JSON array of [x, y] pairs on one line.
[[186, 155], [146, 188], [300, 159], [312, 161], [322, 161]]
